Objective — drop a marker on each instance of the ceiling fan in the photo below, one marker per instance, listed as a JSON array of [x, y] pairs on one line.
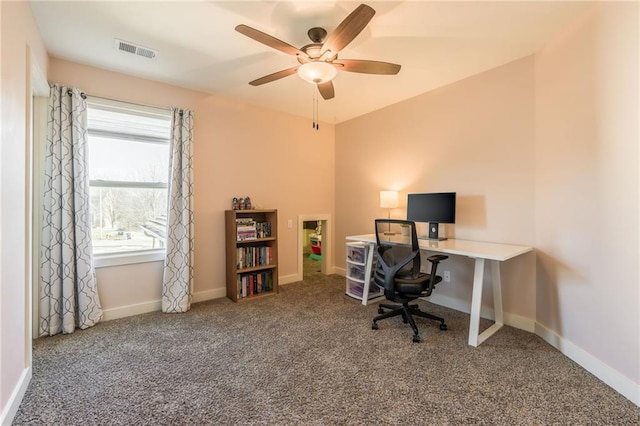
[[318, 61]]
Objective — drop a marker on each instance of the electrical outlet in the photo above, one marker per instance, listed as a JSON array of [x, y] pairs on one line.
[[289, 223], [446, 275]]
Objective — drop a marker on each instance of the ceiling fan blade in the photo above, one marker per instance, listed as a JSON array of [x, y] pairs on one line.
[[367, 67], [348, 29], [268, 40], [273, 77], [326, 90]]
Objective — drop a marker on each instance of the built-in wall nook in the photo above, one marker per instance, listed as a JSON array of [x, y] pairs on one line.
[[314, 253], [311, 248]]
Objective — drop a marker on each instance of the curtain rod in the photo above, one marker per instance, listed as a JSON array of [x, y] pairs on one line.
[[82, 94]]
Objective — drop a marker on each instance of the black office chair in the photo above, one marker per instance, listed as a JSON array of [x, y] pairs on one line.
[[397, 272]]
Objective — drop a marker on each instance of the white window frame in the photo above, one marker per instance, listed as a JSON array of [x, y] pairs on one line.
[[139, 256]]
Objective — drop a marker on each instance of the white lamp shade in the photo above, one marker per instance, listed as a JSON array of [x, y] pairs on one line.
[[388, 199], [317, 72]]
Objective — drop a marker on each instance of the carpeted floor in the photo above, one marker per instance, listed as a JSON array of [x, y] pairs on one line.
[[307, 356]]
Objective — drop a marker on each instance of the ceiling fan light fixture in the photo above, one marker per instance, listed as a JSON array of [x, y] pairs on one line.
[[317, 72], [318, 60]]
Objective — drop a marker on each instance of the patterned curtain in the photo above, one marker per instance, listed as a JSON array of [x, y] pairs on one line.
[[68, 290], [177, 283]]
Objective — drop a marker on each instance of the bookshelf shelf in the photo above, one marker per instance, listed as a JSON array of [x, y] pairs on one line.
[[251, 254], [257, 240], [254, 268]]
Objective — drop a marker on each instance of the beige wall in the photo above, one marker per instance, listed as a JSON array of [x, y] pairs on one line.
[[475, 137], [22, 48], [544, 152], [239, 150], [587, 186]]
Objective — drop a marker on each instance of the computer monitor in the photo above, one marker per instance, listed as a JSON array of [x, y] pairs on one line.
[[433, 208]]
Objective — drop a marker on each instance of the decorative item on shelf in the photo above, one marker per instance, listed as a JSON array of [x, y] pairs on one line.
[[241, 203], [389, 200]]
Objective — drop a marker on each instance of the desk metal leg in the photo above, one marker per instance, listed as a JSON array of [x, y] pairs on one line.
[[476, 302], [476, 338], [497, 292]]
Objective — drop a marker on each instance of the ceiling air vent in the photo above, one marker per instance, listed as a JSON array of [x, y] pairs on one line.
[[125, 46]]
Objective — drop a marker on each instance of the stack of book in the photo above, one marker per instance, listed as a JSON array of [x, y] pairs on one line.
[[254, 283], [246, 229], [249, 257], [263, 229]]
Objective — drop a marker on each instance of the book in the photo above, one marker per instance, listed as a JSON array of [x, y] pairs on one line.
[[254, 283]]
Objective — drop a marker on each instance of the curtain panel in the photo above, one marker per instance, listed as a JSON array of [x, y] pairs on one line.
[[68, 296], [177, 283]]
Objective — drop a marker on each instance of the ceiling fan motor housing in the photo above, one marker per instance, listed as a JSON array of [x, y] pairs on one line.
[[314, 50], [317, 34]]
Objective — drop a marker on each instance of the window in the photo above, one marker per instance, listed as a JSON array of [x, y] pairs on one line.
[[128, 176]]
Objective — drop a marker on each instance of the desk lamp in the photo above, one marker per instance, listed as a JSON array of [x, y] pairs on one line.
[[389, 200]]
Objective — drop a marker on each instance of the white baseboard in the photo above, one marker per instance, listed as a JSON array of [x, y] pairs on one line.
[[620, 383], [16, 398], [288, 279], [216, 293], [458, 305], [156, 305], [512, 320], [519, 322], [340, 271], [130, 310]]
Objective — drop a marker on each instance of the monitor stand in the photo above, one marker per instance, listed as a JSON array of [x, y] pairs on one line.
[[433, 232]]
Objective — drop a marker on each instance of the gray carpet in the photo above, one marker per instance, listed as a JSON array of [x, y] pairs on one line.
[[307, 356]]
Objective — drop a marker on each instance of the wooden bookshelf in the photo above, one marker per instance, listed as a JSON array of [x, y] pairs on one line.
[[251, 254]]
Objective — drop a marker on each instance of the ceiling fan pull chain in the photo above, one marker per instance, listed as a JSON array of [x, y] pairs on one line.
[[314, 103], [317, 111]]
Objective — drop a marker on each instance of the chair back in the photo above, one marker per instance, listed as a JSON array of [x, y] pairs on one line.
[[397, 254]]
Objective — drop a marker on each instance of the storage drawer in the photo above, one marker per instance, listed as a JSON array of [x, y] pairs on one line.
[[355, 271], [356, 288], [357, 252]]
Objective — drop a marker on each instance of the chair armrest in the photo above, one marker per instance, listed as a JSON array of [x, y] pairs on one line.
[[437, 258], [434, 279]]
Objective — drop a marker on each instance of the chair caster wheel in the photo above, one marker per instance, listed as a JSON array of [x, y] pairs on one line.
[[443, 327], [374, 326], [380, 310], [416, 339]]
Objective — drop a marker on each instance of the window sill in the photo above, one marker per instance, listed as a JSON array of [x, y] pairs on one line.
[[107, 260]]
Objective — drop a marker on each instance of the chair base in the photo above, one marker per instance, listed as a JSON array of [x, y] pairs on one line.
[[408, 312]]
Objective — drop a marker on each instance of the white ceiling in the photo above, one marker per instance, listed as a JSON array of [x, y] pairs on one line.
[[436, 43]]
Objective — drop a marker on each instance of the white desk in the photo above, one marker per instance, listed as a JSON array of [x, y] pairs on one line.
[[480, 251]]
